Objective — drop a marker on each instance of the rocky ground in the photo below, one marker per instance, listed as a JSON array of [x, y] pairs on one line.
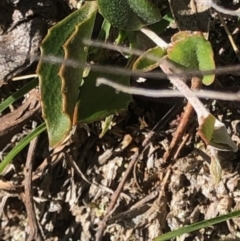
[[75, 184]]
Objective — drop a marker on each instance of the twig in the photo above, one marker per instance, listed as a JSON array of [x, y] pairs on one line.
[[163, 184], [23, 77], [160, 125], [184, 141], [178, 134], [12, 122], [216, 95], [198, 106], [219, 138], [154, 37], [81, 174], [135, 210], [119, 70], [185, 118], [134, 160], [34, 233], [223, 10], [115, 196], [234, 46]]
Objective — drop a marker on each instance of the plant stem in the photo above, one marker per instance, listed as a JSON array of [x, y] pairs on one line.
[[200, 109], [169, 67]]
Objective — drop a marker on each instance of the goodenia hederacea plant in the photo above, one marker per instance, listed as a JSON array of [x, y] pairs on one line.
[[144, 63], [187, 52], [97, 103], [211, 130], [199, 56], [68, 95], [192, 52], [60, 84], [129, 14]]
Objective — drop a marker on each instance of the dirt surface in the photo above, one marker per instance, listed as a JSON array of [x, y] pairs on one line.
[[74, 185]]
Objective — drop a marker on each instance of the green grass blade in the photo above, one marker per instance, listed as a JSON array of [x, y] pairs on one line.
[[197, 226], [25, 141], [18, 94], [105, 30]]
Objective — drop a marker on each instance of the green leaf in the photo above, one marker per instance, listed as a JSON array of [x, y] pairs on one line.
[[197, 226], [118, 13], [24, 142], [146, 64], [180, 36], [214, 133], [146, 10], [104, 31], [221, 139], [193, 52], [56, 111], [106, 125], [129, 14], [75, 49], [100, 54], [96, 103], [18, 94], [206, 128]]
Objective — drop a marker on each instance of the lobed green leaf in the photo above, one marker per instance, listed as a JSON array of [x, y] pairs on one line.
[[129, 14], [53, 88], [193, 52], [145, 63]]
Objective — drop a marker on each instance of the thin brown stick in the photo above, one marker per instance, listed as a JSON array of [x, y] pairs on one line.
[[34, 232], [178, 134], [183, 143], [160, 124], [164, 183], [230, 37], [81, 174], [186, 116], [12, 122], [115, 196]]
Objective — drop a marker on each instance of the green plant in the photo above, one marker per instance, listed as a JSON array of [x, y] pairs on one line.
[[70, 95]]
